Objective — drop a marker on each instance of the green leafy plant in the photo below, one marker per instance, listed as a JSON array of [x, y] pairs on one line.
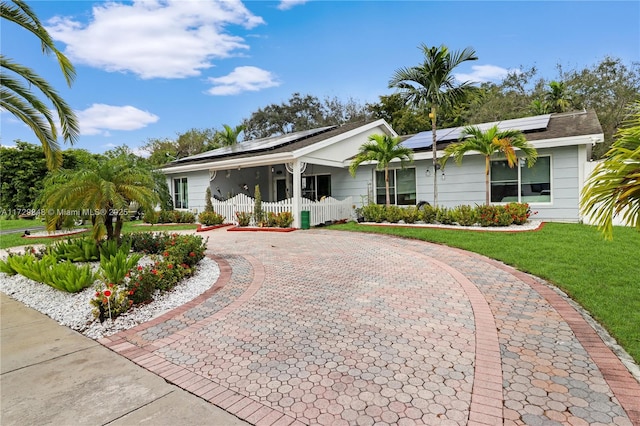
[[410, 214], [76, 250], [187, 249], [114, 268], [489, 215], [445, 216], [284, 220], [210, 218], [258, 213], [465, 215], [244, 218], [66, 276], [519, 212], [373, 213], [110, 302], [393, 213], [148, 242], [428, 213]]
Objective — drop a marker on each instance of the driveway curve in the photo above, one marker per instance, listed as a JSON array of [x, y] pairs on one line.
[[326, 327]]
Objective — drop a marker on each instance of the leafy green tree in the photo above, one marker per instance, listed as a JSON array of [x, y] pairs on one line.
[[194, 141], [403, 118], [489, 143], [22, 172], [301, 113], [229, 135], [558, 97], [107, 190], [613, 188], [432, 85], [607, 87], [18, 98], [381, 149], [208, 205]]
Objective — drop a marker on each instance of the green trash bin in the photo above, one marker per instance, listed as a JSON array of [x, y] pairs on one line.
[[305, 219]]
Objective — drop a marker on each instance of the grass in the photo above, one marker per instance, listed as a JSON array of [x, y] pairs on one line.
[[15, 240], [7, 224], [602, 276]]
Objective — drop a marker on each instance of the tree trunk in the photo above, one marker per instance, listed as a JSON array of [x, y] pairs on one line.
[[487, 163], [435, 155], [108, 224], [386, 184], [117, 232]]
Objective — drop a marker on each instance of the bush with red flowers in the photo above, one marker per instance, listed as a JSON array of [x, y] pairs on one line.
[[111, 302]]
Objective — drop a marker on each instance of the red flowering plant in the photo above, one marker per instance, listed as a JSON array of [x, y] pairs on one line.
[[187, 249], [110, 302], [520, 212]]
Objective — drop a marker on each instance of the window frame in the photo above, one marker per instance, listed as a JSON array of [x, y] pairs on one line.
[[393, 192], [184, 204], [520, 166], [315, 186]]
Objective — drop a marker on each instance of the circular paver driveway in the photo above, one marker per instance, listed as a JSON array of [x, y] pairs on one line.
[[325, 327]]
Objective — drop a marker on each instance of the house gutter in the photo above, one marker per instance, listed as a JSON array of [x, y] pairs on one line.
[[243, 162]]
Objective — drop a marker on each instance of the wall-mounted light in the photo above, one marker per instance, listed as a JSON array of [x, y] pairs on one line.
[[442, 174], [436, 166], [228, 174]]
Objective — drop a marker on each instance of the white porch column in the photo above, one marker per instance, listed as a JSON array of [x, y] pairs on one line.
[[297, 193]]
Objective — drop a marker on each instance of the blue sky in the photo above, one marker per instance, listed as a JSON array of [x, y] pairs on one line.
[[155, 69]]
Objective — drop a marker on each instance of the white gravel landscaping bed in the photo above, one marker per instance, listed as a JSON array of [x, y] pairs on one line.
[[74, 310]]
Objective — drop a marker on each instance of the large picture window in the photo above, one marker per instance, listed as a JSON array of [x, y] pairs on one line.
[[180, 193], [521, 183], [402, 186], [315, 187]]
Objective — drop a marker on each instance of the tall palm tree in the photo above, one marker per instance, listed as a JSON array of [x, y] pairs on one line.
[[432, 85], [17, 97], [613, 188], [228, 136], [106, 190], [558, 97], [382, 149], [489, 143]]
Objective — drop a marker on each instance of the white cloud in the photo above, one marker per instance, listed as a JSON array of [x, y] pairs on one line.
[[485, 73], [100, 118], [242, 79], [155, 38], [288, 4]]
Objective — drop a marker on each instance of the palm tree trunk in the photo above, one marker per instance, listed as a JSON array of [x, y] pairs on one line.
[[117, 232], [487, 163], [435, 155], [108, 224], [386, 184]]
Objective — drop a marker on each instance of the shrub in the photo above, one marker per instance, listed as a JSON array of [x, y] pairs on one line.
[[162, 276], [519, 212], [284, 220], [393, 214], [410, 214], [210, 218], [494, 216], [258, 213], [110, 302], [151, 217], [208, 205], [445, 216], [169, 216], [373, 213], [270, 220], [148, 242], [244, 218], [64, 276], [188, 249], [465, 215], [428, 214]]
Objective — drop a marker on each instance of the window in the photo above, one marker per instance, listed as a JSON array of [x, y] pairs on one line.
[[521, 184], [402, 186], [180, 193], [315, 187]]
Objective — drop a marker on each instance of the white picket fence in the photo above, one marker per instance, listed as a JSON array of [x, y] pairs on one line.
[[327, 209]]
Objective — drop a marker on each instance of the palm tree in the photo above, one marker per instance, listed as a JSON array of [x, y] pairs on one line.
[[228, 136], [382, 149], [17, 98], [488, 143], [613, 188], [432, 85], [106, 190], [558, 97]]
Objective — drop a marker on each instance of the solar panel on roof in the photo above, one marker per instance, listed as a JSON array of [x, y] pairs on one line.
[[424, 139], [257, 144]]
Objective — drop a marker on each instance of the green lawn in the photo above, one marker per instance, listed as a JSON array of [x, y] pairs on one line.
[[6, 224], [602, 276], [15, 240]]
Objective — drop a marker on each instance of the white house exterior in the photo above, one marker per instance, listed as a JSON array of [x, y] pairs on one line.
[[314, 164]]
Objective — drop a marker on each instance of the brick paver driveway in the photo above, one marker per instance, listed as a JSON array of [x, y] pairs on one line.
[[325, 327]]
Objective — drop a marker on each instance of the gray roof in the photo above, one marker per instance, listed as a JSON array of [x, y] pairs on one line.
[[274, 145], [549, 126]]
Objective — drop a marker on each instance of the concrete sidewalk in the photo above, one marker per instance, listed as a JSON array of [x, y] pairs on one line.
[[51, 375]]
